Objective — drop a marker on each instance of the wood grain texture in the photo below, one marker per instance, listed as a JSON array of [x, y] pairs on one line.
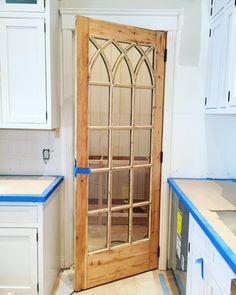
[[122, 32], [157, 146], [117, 263], [81, 151]]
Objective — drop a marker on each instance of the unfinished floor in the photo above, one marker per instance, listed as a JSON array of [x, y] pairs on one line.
[[149, 283]]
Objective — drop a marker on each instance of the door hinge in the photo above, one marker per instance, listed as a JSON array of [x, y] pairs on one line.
[[45, 27], [211, 11], [165, 55], [189, 247], [158, 251], [44, 3], [46, 115], [210, 33], [37, 237], [205, 101], [211, 2], [37, 287], [228, 96], [161, 156]]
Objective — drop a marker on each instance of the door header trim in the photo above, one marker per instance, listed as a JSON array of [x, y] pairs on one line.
[[158, 19]]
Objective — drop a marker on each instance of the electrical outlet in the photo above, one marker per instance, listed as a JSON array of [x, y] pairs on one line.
[[46, 154]]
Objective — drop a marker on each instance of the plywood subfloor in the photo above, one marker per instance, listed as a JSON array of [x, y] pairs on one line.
[[152, 283]]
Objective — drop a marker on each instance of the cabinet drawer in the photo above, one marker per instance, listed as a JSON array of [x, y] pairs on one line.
[[16, 214], [218, 268]]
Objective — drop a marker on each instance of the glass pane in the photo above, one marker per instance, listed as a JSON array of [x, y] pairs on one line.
[[134, 56], [112, 54], [143, 107], [140, 223], [120, 187], [98, 190], [144, 75], [121, 106], [151, 56], [98, 148], [92, 51], [98, 106], [120, 148], [97, 231], [22, 1], [98, 70], [122, 75], [119, 227], [141, 184], [142, 146]]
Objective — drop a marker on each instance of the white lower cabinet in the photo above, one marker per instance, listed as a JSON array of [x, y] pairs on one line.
[[212, 287], [29, 246], [18, 260], [208, 273]]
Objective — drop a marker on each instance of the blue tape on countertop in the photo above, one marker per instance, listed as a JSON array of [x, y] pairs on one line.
[[38, 198], [226, 252]]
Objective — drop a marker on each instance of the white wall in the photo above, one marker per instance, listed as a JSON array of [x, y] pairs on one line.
[[221, 146]]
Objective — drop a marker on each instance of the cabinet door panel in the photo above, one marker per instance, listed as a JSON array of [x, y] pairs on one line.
[[217, 6], [18, 260], [216, 63], [22, 57], [212, 287], [22, 5], [196, 259], [230, 77]]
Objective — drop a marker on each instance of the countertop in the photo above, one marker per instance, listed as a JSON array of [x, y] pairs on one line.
[[28, 188], [213, 205]]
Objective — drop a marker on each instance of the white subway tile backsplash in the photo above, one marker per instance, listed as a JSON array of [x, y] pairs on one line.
[[21, 152]]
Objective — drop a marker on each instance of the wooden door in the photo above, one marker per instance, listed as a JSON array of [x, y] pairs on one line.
[[120, 77]]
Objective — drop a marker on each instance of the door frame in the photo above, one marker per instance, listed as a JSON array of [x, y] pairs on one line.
[[170, 20]]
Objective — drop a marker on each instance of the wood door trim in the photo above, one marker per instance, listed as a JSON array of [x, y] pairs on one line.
[[82, 28], [157, 146]]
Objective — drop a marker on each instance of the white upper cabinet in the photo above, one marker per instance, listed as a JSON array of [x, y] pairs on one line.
[[221, 86], [216, 6], [22, 53], [230, 76], [22, 5], [29, 64], [215, 63]]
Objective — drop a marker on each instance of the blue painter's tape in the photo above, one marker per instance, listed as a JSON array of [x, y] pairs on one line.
[[226, 252], [164, 287], [35, 198], [82, 170], [181, 286], [201, 261]]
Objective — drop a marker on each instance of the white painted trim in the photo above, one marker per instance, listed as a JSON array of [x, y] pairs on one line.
[[156, 19], [67, 149], [166, 20]]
